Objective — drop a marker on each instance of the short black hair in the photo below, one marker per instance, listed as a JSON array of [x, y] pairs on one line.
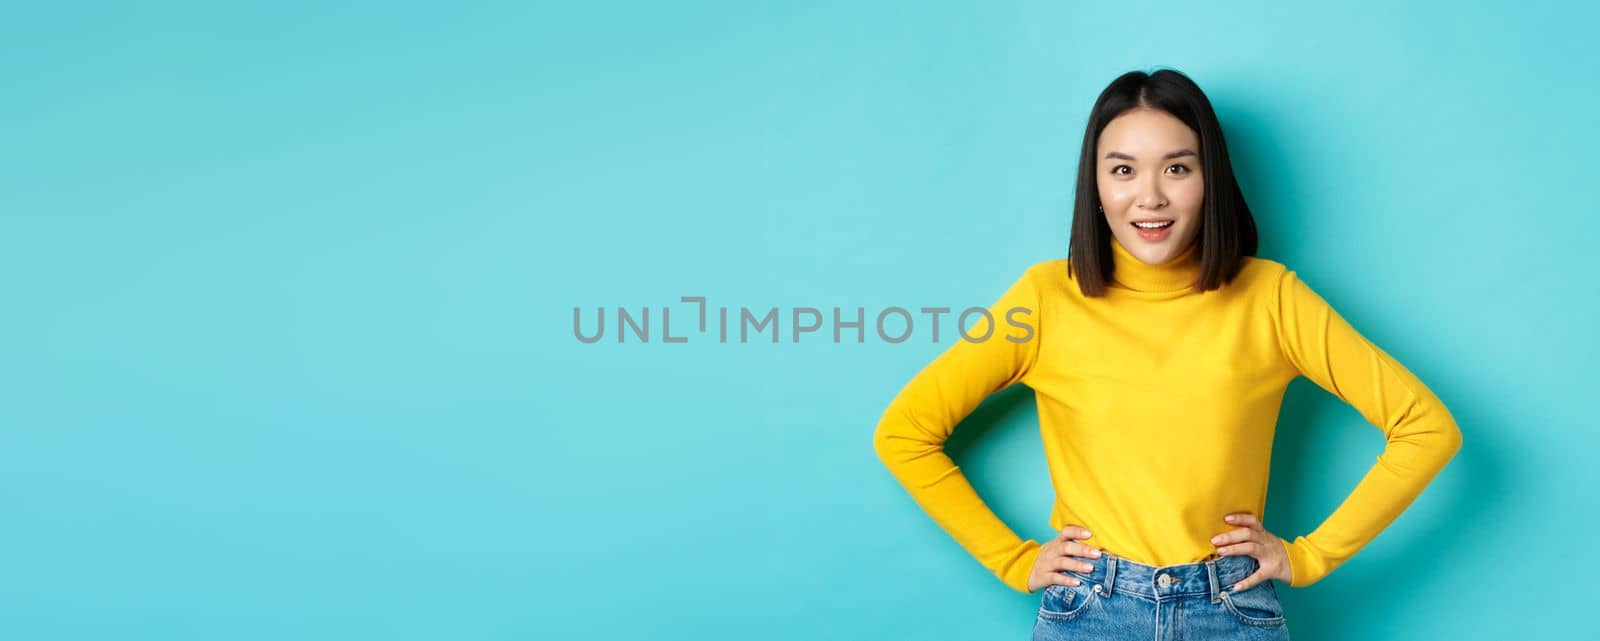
[[1227, 230]]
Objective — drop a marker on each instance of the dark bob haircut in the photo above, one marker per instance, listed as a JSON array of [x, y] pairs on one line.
[[1227, 230]]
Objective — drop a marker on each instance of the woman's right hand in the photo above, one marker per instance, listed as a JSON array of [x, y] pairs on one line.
[[1065, 552]]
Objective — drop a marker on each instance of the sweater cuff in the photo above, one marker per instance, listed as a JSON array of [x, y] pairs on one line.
[[1016, 576], [1305, 565]]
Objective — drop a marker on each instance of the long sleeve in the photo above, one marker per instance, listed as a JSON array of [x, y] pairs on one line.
[[911, 434], [1421, 434]]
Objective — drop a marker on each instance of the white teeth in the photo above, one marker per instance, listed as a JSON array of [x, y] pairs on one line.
[[1152, 225]]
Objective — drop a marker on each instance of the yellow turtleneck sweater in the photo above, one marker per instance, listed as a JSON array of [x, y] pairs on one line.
[[1157, 407]]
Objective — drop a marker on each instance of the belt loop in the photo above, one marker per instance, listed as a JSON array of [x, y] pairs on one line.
[[1211, 576], [1111, 573]]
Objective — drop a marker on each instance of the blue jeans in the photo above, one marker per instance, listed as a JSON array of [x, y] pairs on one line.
[[1122, 599]]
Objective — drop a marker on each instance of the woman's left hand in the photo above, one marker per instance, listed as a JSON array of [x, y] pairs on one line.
[[1253, 540]]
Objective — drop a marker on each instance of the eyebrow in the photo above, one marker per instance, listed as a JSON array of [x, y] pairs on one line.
[[1170, 156]]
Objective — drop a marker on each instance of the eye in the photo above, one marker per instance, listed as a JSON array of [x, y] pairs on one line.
[[1183, 167], [1114, 171]]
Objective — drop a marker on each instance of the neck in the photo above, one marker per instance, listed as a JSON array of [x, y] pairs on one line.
[[1177, 273]]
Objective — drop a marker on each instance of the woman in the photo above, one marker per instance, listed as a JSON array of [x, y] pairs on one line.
[[1162, 352]]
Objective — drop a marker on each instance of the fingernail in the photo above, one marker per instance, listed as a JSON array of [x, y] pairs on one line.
[[1097, 554], [1230, 517], [1216, 539]]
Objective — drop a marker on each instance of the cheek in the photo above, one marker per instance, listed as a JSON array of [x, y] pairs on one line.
[[1116, 196], [1189, 195]]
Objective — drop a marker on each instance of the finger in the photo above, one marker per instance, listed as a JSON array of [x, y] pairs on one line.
[[1247, 548], [1245, 519], [1072, 532], [1073, 564], [1075, 548], [1233, 536], [1250, 581], [1065, 579]]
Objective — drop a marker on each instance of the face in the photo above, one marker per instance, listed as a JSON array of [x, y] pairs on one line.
[[1148, 169]]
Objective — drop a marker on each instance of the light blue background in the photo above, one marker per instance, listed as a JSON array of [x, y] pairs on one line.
[[288, 294]]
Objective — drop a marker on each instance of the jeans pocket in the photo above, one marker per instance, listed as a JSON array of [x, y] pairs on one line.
[[1257, 606], [1065, 602]]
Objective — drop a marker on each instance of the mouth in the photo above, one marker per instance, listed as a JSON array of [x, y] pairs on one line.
[[1153, 228]]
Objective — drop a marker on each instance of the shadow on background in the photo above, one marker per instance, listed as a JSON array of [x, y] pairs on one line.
[[1379, 578], [1007, 415]]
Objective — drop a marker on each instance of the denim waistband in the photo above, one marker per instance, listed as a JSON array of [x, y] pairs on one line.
[[1208, 577]]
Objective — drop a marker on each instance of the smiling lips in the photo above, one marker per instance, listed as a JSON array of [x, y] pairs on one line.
[[1154, 229]]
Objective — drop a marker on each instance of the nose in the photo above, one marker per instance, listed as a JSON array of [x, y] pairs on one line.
[[1150, 196]]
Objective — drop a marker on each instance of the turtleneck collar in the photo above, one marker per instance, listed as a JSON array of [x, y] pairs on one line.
[[1176, 274]]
